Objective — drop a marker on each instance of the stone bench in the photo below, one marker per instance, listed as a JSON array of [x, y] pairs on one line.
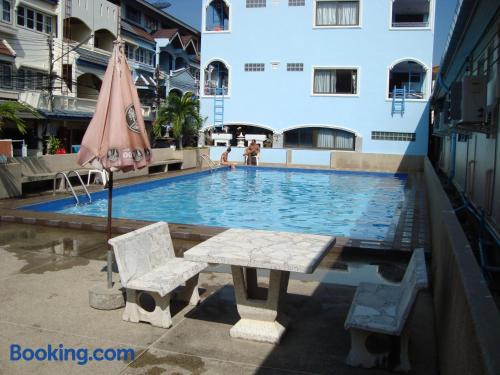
[[161, 166], [384, 309], [148, 266]]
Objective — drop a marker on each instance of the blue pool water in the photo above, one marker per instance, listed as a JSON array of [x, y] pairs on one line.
[[350, 204]]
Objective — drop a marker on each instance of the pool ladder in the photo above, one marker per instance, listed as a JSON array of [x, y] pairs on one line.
[[66, 176], [212, 164]]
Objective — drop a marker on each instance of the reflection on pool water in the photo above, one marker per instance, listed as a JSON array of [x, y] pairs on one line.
[[349, 204]]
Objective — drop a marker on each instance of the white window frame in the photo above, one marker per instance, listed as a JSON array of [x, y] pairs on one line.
[[328, 67], [204, 19], [202, 77], [427, 82], [432, 8], [12, 6], [11, 85], [45, 14], [360, 17]]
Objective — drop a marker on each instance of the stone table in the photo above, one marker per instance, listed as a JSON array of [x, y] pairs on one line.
[[247, 250]]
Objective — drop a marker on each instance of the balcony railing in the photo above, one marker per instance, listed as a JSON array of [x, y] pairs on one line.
[[40, 101], [209, 90]]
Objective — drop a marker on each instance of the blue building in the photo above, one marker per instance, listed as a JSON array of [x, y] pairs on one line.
[[315, 74]]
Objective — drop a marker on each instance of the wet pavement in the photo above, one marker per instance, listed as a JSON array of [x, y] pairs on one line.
[[46, 273]]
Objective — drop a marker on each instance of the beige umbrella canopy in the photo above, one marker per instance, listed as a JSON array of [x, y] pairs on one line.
[[116, 138]]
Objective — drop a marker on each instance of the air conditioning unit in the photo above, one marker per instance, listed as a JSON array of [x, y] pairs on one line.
[[468, 100]]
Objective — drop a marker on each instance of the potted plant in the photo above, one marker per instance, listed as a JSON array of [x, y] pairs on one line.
[[54, 146]]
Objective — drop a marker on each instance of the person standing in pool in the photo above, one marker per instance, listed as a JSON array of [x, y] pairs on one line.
[[224, 161]]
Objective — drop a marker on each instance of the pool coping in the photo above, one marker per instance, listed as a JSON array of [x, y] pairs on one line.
[[10, 212]]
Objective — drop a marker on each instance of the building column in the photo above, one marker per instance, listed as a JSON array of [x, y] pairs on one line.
[[201, 138]]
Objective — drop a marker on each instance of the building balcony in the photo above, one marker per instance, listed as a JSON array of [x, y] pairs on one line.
[[101, 14], [67, 104]]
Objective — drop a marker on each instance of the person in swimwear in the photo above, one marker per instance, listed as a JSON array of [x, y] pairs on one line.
[[224, 161]]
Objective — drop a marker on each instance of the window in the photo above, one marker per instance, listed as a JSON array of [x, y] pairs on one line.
[[295, 67], [216, 79], [393, 136], [48, 24], [296, 3], [129, 51], [413, 13], [337, 13], [5, 76], [256, 3], [30, 19], [149, 58], [410, 76], [20, 16], [40, 80], [39, 22], [335, 81], [324, 138], [6, 10], [252, 67], [139, 55], [28, 79], [217, 16], [151, 23], [133, 14], [34, 20]]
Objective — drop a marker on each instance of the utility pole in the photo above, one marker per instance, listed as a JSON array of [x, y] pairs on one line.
[[50, 42], [158, 90]]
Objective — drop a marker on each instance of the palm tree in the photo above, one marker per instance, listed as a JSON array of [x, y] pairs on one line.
[[183, 114], [9, 112]]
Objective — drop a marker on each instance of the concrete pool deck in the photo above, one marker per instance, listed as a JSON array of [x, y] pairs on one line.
[[410, 232], [46, 274]]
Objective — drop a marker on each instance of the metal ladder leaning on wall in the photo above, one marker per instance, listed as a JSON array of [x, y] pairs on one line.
[[66, 176], [398, 100], [218, 107]]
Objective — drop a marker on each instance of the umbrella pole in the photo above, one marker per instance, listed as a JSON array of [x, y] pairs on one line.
[[110, 216]]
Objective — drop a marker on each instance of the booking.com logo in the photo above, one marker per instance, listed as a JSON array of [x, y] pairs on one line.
[[61, 354]]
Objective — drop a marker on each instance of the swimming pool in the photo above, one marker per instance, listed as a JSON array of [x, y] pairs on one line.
[[350, 204]]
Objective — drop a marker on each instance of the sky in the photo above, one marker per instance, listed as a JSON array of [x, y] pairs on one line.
[[445, 10], [189, 11]]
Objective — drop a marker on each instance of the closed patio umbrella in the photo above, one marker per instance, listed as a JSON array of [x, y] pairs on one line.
[[116, 138]]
